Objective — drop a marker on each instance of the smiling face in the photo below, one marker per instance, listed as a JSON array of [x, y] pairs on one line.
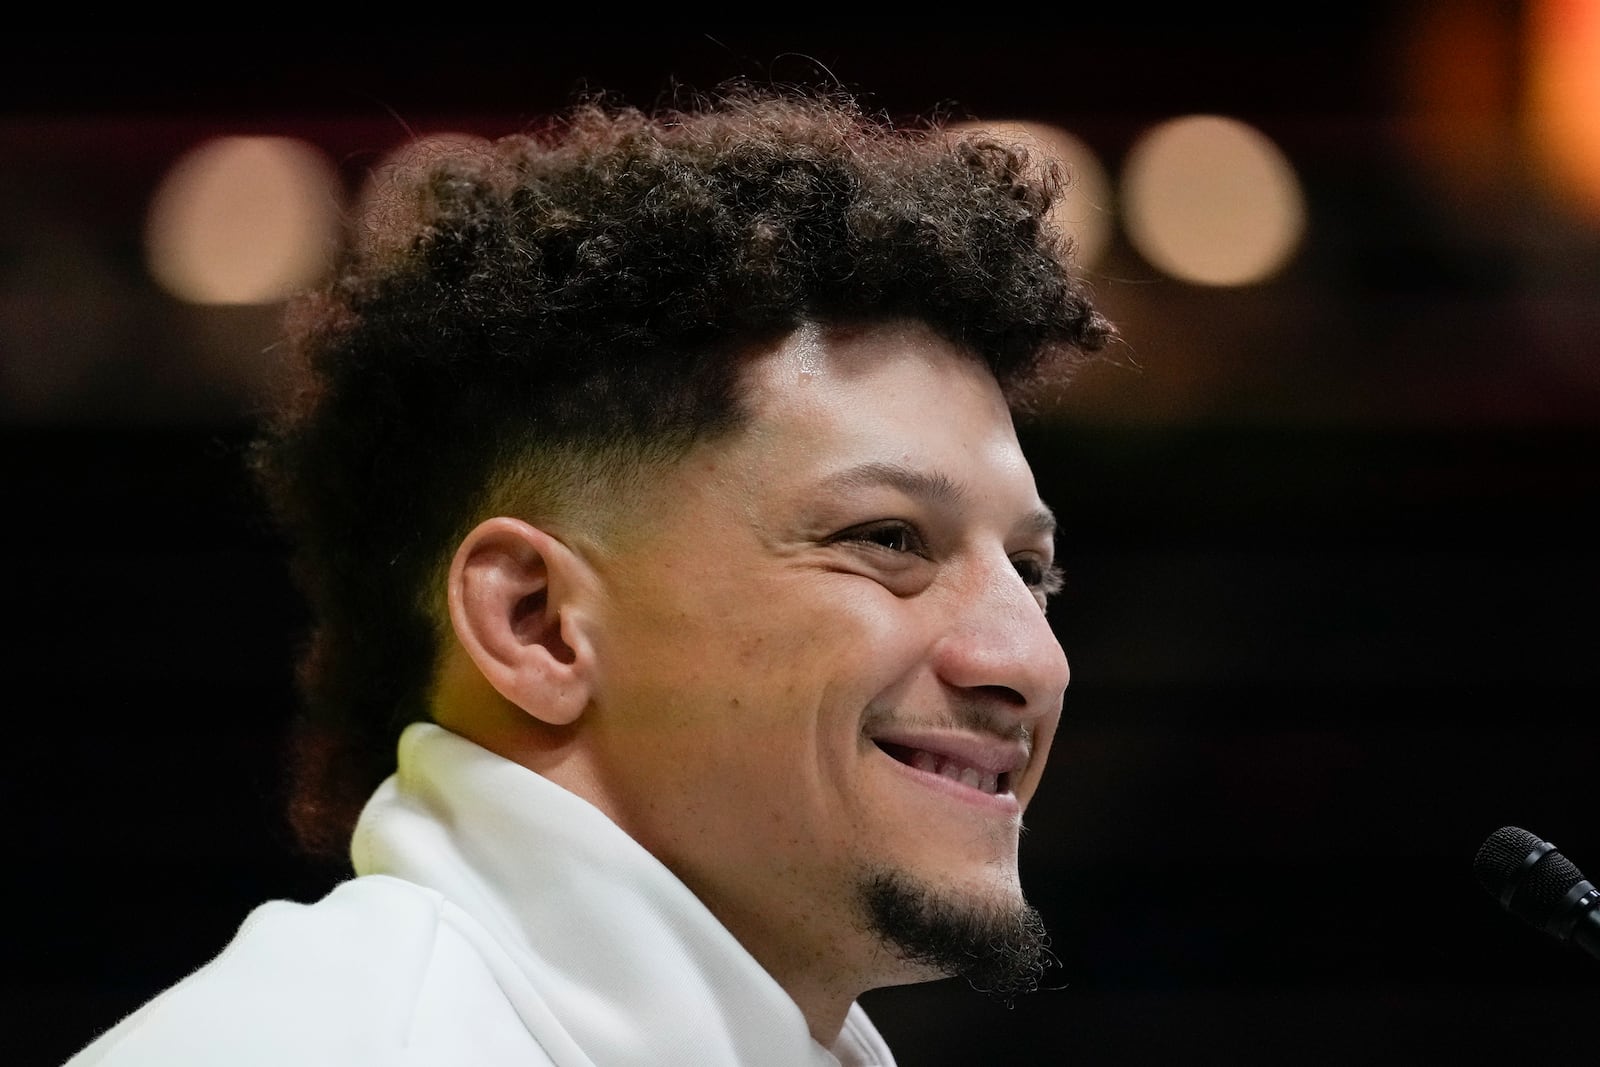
[[824, 660]]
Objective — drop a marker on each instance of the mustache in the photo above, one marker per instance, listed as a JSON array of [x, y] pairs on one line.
[[968, 714]]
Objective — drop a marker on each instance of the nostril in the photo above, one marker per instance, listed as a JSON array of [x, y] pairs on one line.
[[1004, 694]]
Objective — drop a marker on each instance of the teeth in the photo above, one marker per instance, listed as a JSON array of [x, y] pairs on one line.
[[970, 777], [933, 763]]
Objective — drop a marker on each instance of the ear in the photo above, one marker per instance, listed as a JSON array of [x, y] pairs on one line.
[[517, 597]]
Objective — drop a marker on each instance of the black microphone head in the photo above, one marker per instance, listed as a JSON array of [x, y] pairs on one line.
[[1532, 892], [1500, 857]]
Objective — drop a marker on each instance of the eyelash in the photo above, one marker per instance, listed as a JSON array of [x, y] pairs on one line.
[[874, 533], [1043, 579], [1046, 580]]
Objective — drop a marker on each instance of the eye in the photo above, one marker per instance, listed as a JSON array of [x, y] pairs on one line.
[[1043, 578], [892, 535]]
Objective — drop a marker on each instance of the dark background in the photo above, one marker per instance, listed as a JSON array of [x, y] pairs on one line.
[[1332, 565]]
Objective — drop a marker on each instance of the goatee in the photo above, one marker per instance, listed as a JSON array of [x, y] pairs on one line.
[[1001, 950]]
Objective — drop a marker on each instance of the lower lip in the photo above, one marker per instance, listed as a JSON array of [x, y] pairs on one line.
[[997, 803]]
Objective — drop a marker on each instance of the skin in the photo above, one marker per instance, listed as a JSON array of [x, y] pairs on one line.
[[763, 680]]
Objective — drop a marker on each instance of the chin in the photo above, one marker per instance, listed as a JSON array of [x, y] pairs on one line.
[[990, 936]]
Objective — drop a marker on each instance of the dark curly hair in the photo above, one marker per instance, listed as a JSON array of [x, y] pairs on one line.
[[527, 325]]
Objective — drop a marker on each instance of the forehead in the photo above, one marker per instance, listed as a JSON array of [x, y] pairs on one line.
[[863, 376], [837, 407], [840, 427]]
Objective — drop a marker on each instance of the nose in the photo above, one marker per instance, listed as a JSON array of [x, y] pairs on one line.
[[1000, 646]]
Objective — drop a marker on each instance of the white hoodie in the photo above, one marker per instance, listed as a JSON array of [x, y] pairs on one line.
[[496, 919]]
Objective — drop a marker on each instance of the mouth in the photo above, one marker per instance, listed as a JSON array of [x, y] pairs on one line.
[[992, 782]]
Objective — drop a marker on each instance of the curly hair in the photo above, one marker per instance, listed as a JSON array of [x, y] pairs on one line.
[[527, 324]]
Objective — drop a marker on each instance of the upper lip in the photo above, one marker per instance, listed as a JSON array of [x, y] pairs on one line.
[[991, 755]]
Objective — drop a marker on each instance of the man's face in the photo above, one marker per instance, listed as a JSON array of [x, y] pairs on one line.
[[823, 656]]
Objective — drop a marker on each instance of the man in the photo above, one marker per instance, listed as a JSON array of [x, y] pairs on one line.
[[654, 485]]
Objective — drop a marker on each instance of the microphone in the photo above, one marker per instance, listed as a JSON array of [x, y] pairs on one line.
[[1540, 886]]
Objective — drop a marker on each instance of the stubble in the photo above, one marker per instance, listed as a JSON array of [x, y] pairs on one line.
[[1002, 950]]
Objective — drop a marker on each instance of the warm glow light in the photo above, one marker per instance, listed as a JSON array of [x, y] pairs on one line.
[[243, 220], [1084, 213], [1212, 200], [1563, 103], [380, 201]]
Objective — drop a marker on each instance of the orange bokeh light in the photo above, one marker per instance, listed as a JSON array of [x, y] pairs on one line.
[[1563, 97]]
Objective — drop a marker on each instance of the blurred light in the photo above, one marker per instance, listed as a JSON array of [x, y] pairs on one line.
[[243, 220], [382, 206], [1084, 211], [1211, 200], [1456, 69], [1563, 104]]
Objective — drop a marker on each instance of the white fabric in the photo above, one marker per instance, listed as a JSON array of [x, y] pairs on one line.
[[495, 919]]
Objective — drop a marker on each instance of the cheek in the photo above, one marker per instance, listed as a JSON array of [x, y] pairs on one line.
[[811, 625], [826, 661], [776, 678]]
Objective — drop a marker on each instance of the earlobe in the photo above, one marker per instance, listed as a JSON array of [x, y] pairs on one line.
[[516, 602]]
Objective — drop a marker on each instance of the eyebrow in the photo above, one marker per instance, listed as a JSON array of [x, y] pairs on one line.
[[927, 485]]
